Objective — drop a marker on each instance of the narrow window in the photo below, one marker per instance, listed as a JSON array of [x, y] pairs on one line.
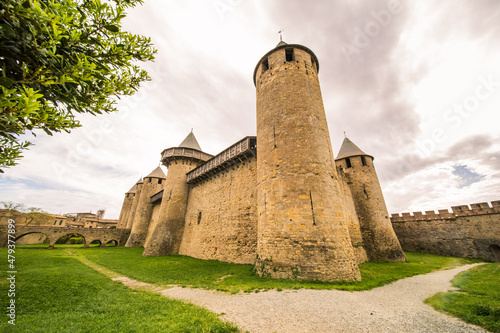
[[363, 160], [348, 162], [160, 180], [60, 222], [313, 63], [199, 217], [265, 65], [55, 222], [289, 55]]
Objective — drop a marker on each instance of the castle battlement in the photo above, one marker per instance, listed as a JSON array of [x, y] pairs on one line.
[[482, 208]]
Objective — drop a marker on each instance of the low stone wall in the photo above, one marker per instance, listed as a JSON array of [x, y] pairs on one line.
[[465, 232]]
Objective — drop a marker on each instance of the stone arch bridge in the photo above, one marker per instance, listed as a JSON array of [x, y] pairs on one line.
[[118, 236]]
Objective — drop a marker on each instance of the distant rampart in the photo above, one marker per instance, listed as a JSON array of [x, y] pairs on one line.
[[465, 232]]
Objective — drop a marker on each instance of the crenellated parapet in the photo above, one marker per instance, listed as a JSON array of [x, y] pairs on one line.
[[482, 208]]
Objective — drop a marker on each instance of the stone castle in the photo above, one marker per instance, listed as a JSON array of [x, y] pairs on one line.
[[279, 200]]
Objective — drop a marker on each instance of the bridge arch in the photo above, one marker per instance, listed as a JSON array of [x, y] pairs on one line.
[[495, 249], [112, 243], [96, 242], [66, 234], [20, 240]]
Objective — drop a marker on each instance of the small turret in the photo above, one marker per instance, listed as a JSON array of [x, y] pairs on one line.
[[167, 234], [126, 207], [135, 202], [152, 184], [379, 238]]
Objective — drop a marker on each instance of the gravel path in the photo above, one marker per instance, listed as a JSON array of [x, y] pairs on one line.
[[397, 307]]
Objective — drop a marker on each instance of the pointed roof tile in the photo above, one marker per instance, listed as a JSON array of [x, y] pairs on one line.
[[281, 43], [157, 173], [349, 149], [190, 142], [132, 190]]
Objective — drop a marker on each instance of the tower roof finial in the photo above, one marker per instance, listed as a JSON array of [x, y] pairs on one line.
[[281, 34]]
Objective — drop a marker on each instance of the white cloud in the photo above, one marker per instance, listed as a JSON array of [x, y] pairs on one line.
[[390, 98]]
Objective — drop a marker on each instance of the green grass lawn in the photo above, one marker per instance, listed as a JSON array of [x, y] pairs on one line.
[[212, 274], [57, 293], [478, 298]]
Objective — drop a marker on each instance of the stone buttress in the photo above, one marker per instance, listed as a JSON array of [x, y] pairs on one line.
[[379, 238], [302, 232]]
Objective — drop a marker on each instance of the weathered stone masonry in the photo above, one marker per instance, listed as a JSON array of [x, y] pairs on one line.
[[465, 232], [278, 200]]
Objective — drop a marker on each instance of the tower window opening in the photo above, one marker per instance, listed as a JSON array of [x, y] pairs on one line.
[[313, 63], [160, 180], [289, 55], [363, 160], [348, 162], [199, 217], [265, 65]]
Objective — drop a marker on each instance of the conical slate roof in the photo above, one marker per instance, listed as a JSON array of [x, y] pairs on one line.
[[157, 173], [132, 190], [349, 149], [190, 142], [281, 43]]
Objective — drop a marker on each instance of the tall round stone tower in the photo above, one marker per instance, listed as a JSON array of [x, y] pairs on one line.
[[135, 202], [152, 184], [126, 207], [379, 238], [167, 234], [301, 229]]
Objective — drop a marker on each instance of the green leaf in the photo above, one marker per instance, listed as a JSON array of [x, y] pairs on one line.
[[6, 82], [112, 28]]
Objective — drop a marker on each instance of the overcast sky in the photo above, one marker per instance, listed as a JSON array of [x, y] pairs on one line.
[[416, 84]]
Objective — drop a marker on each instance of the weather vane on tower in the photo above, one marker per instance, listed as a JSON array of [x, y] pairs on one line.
[[281, 32]]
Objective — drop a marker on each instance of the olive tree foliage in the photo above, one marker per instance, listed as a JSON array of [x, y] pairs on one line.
[[59, 58]]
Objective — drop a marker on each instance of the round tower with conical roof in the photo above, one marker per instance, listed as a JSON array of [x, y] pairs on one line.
[[301, 229], [126, 207], [167, 234], [379, 238], [152, 184], [135, 202]]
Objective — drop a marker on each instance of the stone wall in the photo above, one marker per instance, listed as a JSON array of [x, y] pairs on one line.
[[221, 216], [352, 219], [465, 232]]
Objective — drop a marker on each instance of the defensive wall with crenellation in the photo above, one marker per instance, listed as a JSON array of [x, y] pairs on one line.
[[464, 232]]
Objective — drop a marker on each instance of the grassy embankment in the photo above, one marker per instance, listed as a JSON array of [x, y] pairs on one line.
[[477, 299], [212, 274], [57, 293]]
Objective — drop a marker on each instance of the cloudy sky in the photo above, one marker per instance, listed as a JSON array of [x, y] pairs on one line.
[[415, 84]]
